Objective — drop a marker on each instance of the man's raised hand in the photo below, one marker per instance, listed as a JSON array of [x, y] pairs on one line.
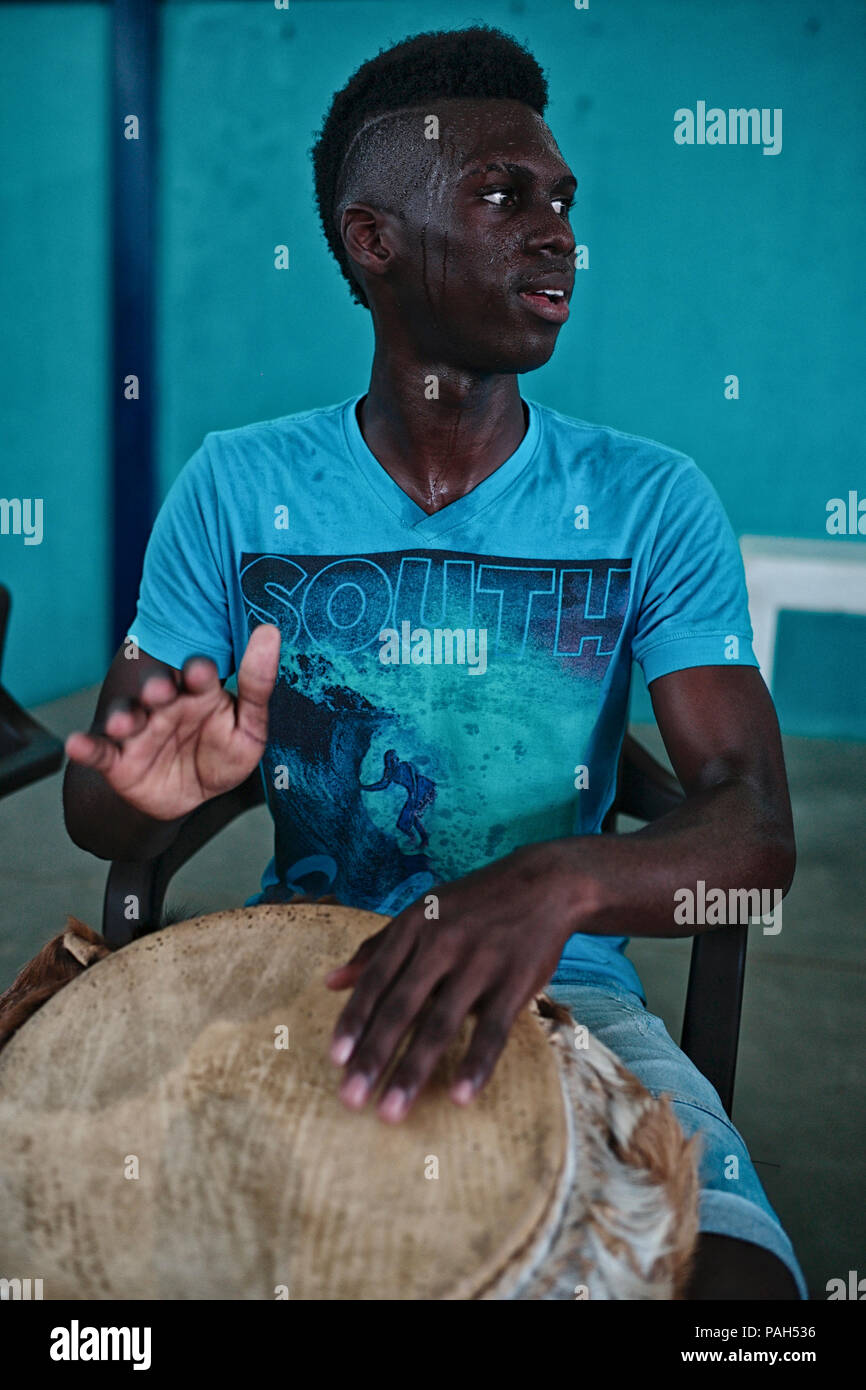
[[180, 743]]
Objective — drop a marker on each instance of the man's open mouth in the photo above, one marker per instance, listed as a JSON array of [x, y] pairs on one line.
[[547, 302]]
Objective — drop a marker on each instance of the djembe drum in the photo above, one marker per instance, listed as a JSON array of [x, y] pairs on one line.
[[170, 1129]]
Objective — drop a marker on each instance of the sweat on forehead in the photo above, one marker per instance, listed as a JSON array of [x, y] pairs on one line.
[[393, 154]]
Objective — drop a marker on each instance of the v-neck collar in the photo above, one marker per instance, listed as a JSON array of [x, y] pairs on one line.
[[462, 509]]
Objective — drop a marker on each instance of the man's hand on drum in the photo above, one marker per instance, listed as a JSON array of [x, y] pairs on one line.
[[179, 743], [495, 943]]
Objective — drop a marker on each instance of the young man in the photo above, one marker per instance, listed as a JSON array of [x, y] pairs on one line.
[[432, 595]]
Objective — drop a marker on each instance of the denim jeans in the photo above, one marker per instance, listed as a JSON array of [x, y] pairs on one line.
[[732, 1201]]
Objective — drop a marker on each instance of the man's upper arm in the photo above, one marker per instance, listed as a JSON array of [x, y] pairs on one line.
[[720, 728], [719, 723], [693, 640]]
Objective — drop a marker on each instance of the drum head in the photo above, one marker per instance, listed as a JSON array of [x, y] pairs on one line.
[[170, 1128]]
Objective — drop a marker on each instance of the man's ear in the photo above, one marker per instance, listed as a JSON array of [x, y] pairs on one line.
[[370, 237]]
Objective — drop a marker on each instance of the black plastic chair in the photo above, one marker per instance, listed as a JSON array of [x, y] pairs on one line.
[[28, 752], [645, 791]]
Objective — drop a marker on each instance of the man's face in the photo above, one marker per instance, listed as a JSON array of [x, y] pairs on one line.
[[484, 234]]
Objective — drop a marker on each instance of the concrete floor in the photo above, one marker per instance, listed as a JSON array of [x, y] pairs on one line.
[[799, 1098]]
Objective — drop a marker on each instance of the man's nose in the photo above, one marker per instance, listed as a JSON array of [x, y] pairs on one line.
[[550, 233]]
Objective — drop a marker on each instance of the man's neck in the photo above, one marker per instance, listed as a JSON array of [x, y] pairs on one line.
[[439, 447]]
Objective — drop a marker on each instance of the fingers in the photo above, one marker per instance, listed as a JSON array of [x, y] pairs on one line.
[[395, 1014], [437, 1015], [434, 1034], [495, 1019], [256, 676], [92, 750], [100, 747], [158, 691], [379, 973], [345, 975], [199, 676], [124, 721]]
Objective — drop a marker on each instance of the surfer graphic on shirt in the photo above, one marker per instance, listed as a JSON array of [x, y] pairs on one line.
[[420, 792]]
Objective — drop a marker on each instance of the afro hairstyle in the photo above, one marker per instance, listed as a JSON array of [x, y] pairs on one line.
[[478, 62]]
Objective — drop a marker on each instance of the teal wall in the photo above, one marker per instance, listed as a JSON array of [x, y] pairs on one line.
[[704, 261], [54, 340]]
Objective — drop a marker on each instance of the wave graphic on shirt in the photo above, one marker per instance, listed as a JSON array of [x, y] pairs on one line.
[[386, 779]]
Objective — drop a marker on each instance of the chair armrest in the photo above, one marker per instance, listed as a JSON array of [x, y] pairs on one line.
[[135, 889]]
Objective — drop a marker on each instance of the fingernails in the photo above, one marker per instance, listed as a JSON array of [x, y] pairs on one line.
[[394, 1105], [355, 1091], [463, 1092], [341, 1050]]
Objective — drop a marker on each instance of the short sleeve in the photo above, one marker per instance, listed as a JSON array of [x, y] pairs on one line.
[[183, 605], [694, 610]]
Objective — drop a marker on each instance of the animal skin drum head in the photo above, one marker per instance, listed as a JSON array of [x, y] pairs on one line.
[[170, 1129]]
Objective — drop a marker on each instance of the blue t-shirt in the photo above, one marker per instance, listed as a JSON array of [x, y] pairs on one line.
[[455, 685]]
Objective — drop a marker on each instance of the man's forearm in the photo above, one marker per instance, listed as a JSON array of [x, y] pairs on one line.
[[724, 837], [101, 822]]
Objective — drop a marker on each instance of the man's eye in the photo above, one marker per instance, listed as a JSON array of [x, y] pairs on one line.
[[502, 197]]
